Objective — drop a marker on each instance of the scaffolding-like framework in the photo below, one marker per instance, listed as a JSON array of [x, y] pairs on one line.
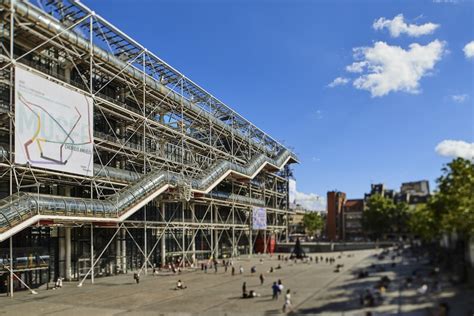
[[148, 118]]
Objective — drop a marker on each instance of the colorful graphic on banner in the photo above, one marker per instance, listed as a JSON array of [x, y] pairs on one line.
[[259, 218], [53, 125]]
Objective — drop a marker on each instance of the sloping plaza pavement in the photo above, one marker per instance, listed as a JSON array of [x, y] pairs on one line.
[[315, 288]]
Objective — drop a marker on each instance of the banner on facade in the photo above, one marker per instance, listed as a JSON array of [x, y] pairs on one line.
[[53, 125], [259, 218]]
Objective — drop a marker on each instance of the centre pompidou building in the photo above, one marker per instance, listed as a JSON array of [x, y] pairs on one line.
[[113, 161]]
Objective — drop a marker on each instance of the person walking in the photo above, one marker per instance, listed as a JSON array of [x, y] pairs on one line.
[[275, 291], [244, 290], [280, 287], [136, 276], [233, 270], [287, 305], [262, 279]]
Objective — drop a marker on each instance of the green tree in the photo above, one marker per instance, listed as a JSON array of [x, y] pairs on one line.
[[312, 222], [452, 207], [421, 222], [376, 219], [399, 217]]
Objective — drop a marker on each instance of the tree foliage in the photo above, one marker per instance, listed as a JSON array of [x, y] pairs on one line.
[[452, 207], [382, 216], [376, 217], [422, 223], [312, 222]]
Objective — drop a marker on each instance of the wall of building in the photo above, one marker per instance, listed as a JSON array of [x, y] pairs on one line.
[[334, 220]]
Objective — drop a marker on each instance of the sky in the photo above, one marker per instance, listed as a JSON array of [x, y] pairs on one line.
[[362, 91]]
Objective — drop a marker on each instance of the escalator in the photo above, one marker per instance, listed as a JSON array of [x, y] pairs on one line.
[[22, 210]]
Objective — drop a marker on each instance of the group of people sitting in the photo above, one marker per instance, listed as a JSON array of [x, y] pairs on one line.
[[250, 294]]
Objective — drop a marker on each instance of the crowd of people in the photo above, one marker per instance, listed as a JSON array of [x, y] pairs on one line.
[[277, 288], [369, 297], [423, 281]]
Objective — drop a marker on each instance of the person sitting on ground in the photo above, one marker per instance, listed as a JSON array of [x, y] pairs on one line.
[[253, 269], [241, 269], [271, 270], [384, 281], [136, 276], [423, 289], [59, 283], [278, 267], [180, 285], [369, 299], [251, 294]]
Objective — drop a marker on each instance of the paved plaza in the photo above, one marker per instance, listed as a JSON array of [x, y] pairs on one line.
[[315, 287]]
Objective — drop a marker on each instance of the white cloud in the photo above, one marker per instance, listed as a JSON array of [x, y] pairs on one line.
[[309, 201], [460, 98], [392, 68], [469, 50], [339, 81], [357, 66], [398, 26], [456, 148]]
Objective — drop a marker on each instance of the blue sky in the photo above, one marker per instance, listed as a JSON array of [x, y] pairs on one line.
[[274, 61]]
